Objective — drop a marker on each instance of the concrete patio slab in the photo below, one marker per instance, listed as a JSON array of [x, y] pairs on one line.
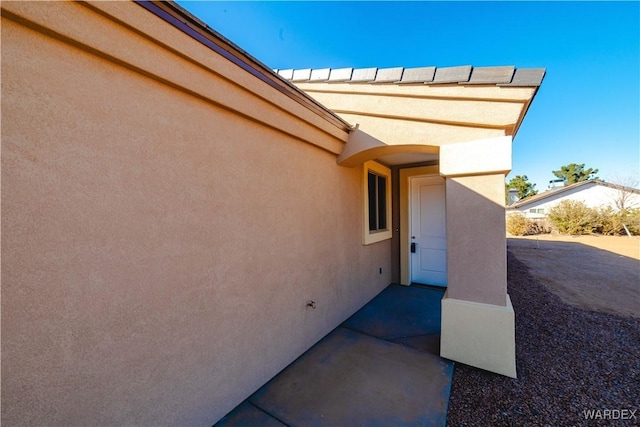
[[351, 378], [426, 343], [400, 311], [245, 415]]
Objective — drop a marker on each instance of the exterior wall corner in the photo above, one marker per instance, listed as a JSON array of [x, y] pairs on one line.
[[480, 335], [486, 156]]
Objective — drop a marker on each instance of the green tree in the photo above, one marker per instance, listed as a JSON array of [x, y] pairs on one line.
[[522, 184], [574, 172]]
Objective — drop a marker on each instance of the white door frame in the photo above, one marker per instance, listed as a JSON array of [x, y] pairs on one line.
[[405, 224], [433, 244]]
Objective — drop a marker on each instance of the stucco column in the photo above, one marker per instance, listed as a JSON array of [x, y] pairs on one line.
[[476, 239], [478, 322]]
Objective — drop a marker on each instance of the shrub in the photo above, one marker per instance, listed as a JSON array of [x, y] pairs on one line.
[[519, 225], [535, 227], [612, 222], [609, 222], [574, 217], [631, 218], [516, 224]]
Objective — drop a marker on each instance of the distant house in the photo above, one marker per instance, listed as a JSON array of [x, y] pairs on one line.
[[171, 207], [593, 193]]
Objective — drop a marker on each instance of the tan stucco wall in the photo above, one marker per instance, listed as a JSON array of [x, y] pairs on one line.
[[478, 326], [476, 242], [480, 335], [478, 157], [434, 115], [158, 248]]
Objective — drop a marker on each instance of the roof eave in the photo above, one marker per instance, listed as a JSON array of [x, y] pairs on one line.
[[180, 18], [544, 195]]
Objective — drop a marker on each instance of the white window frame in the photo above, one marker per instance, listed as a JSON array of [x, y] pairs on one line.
[[369, 237]]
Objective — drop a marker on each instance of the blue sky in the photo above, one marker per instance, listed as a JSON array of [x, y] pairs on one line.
[[587, 109]]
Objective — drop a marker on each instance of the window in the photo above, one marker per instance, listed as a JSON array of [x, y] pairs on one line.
[[377, 187], [539, 211], [377, 206]]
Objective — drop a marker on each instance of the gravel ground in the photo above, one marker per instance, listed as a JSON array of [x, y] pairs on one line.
[[569, 360]]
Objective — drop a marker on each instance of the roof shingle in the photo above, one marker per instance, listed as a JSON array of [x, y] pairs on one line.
[[466, 74]]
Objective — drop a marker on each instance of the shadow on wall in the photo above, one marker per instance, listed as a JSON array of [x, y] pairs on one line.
[[477, 268], [583, 275]]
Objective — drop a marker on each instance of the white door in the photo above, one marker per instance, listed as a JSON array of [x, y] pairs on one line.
[[428, 236]]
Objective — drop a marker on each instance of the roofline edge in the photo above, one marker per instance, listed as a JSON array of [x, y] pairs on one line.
[[178, 17]]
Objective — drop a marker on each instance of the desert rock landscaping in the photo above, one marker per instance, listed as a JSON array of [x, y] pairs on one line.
[[577, 339]]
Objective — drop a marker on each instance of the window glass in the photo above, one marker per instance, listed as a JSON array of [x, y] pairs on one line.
[[371, 188], [377, 203], [377, 191], [382, 203]]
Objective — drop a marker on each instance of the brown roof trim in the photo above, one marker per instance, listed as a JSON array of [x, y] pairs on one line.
[[464, 75], [175, 15]]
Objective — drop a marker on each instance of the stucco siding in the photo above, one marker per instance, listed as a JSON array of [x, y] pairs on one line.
[[159, 249], [434, 115]]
